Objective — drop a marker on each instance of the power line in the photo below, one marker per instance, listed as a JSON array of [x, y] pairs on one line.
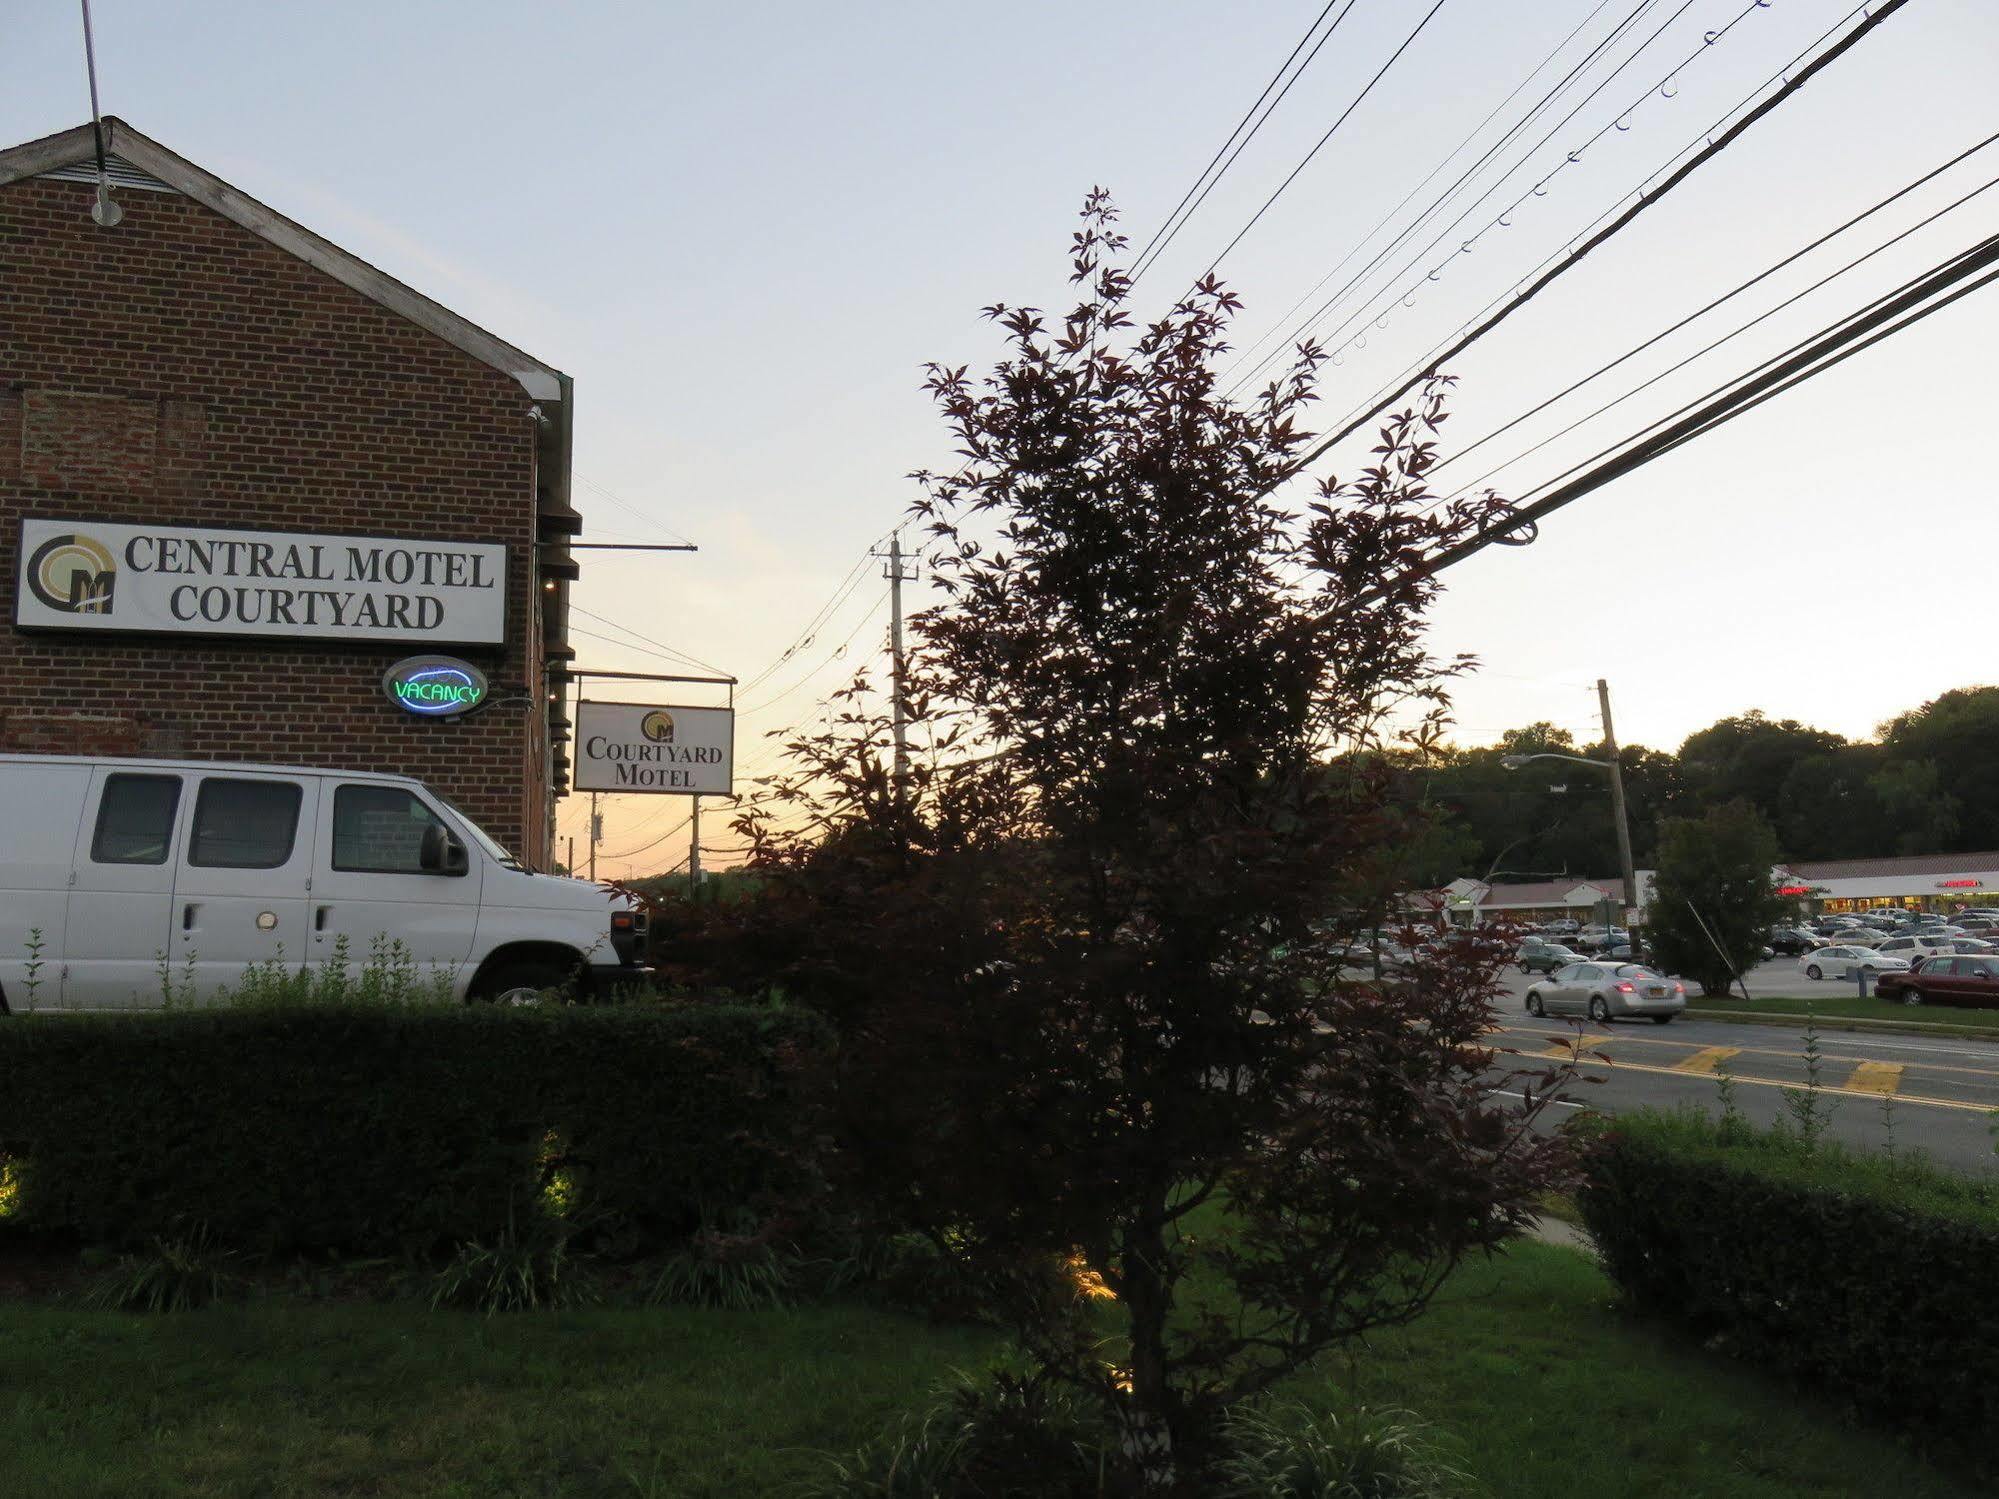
[[841, 592], [1373, 307], [1888, 315], [1168, 231], [838, 651], [1381, 72], [661, 648], [645, 847], [1731, 335], [1444, 198], [1575, 255], [629, 509]]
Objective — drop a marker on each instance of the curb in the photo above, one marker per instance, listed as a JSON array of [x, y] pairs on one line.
[[1845, 1023]]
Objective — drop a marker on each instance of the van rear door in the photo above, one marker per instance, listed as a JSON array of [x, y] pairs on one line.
[[120, 906], [243, 881]]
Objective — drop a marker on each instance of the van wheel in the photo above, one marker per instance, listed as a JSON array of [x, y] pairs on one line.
[[520, 983]]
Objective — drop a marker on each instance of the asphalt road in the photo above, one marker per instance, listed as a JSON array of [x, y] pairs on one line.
[[1900, 1091]]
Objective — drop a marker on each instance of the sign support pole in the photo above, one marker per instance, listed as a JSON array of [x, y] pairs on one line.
[[694, 848], [596, 825]]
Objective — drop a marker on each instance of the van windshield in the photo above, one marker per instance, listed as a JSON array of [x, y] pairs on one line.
[[481, 837]]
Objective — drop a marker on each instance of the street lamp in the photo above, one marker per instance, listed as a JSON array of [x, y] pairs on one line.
[[1514, 762]]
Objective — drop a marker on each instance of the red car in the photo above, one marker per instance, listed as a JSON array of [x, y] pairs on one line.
[[1945, 981]]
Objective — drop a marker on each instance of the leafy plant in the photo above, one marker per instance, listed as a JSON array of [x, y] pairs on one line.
[[739, 1273], [515, 1271], [1292, 1452], [1002, 1436], [1811, 1115], [177, 1274], [31, 978], [921, 1457], [1086, 943]]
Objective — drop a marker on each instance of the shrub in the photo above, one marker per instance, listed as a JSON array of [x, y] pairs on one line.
[[175, 1274], [405, 1129], [1868, 1277], [519, 1270], [738, 1272], [1003, 1437], [1296, 1453]]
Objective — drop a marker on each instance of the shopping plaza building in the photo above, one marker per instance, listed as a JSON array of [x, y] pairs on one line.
[[1920, 882], [260, 501]]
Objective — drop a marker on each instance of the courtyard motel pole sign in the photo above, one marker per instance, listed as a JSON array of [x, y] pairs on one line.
[[667, 749]]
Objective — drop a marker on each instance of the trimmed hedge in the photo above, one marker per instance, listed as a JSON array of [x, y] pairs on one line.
[[1872, 1279], [401, 1129]]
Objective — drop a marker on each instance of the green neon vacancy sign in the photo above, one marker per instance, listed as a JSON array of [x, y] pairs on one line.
[[435, 686]]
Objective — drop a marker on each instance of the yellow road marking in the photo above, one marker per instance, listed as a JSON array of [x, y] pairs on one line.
[[1876, 1077], [1707, 1059], [1765, 1082], [1747, 1051]]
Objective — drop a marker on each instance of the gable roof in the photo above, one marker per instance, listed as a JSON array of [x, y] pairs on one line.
[[140, 157], [1892, 868]]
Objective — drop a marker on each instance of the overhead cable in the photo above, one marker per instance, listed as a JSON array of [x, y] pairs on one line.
[[1177, 220], [1485, 159], [1577, 253], [1888, 315], [1732, 334]]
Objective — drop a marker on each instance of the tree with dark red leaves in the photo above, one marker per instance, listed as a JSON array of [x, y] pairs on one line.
[[1091, 951]]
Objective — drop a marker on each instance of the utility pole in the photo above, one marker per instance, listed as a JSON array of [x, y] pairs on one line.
[[1617, 807], [899, 664], [694, 848], [569, 864], [596, 833]]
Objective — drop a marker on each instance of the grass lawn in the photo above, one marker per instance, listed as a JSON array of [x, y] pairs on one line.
[[1839, 1002], [1543, 1387]]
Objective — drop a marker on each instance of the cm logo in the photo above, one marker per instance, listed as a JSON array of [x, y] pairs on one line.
[[73, 575], [657, 726]]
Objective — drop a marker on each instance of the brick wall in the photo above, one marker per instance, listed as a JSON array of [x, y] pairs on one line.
[[181, 371]]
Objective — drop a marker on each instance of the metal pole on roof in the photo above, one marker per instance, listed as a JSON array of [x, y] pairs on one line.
[[106, 212]]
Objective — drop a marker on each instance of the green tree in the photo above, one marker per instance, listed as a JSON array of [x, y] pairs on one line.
[[1087, 954], [1958, 733], [1713, 900], [1749, 757]]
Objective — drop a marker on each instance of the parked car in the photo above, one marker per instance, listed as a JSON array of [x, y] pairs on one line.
[[1863, 936], [1793, 940], [211, 870], [1955, 980], [1921, 945], [1972, 946], [1606, 991], [1546, 957], [1845, 961], [1567, 926], [1594, 938]]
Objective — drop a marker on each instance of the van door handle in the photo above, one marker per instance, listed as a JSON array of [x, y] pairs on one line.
[[187, 917], [319, 919]]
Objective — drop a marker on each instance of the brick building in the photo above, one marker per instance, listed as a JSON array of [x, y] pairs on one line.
[[243, 472]]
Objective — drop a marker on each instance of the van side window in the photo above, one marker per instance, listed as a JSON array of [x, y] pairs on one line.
[[135, 820], [244, 824], [379, 830]]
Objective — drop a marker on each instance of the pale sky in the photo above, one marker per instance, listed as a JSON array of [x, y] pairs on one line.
[[743, 230]]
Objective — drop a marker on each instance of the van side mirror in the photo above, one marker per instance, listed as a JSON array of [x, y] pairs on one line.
[[440, 852]]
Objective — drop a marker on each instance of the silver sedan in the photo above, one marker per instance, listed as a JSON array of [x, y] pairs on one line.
[[1604, 991], [1844, 961]]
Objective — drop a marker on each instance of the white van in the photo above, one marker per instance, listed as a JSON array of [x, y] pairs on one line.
[[112, 870]]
